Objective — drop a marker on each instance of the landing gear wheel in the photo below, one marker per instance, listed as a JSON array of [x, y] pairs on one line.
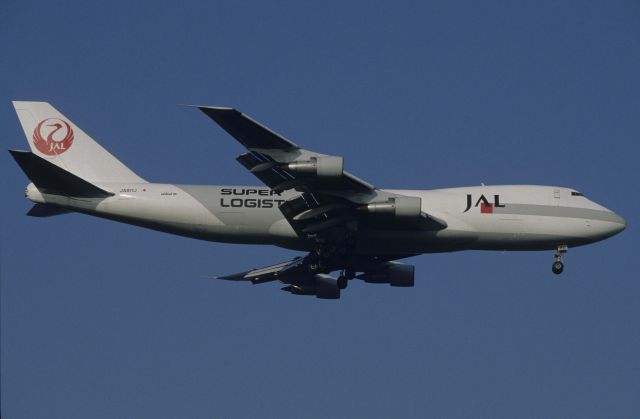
[[342, 282], [557, 267]]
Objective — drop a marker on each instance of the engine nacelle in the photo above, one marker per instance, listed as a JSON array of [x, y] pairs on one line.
[[320, 285], [401, 206], [326, 286], [324, 167], [393, 273], [300, 289]]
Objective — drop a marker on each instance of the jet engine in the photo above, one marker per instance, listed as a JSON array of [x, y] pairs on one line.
[[321, 285], [401, 206], [393, 273], [322, 167]]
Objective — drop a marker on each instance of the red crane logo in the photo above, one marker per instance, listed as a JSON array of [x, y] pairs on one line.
[[53, 136]]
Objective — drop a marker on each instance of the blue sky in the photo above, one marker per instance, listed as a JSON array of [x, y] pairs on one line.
[[102, 320]]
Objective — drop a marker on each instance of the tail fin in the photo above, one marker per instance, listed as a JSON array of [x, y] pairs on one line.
[[56, 139]]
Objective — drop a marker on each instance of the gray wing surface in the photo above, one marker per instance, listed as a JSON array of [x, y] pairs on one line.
[[248, 132], [269, 154]]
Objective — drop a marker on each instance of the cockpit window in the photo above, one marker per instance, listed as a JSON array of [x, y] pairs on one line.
[[574, 193]]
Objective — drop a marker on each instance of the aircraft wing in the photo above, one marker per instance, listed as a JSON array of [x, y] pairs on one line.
[[332, 199], [278, 162], [279, 271]]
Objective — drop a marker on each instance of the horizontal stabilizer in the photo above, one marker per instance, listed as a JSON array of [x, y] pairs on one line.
[[49, 177], [46, 210]]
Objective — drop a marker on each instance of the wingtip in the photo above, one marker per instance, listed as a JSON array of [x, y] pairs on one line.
[[232, 277], [208, 107], [216, 110]]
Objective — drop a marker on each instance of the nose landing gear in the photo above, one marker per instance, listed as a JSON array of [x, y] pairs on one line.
[[558, 266]]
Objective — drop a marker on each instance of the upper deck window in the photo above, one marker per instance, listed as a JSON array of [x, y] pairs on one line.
[[574, 193]]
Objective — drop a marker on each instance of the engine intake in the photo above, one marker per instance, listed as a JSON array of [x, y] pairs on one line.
[[324, 167]]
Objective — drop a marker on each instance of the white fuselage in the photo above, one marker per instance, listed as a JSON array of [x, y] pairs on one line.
[[515, 217]]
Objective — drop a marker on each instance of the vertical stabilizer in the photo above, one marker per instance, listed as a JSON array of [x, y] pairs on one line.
[[56, 139]]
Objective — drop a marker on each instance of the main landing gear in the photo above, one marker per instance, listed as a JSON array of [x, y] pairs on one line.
[[558, 266], [345, 276]]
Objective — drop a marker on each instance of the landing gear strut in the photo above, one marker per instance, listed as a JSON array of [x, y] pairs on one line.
[[558, 266], [344, 278]]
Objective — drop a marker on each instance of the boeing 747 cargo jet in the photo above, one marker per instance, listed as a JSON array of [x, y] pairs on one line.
[[309, 203]]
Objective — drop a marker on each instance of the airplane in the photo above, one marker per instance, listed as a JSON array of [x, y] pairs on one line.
[[309, 203]]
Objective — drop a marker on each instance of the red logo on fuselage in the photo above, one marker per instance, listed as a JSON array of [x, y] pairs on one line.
[[486, 207], [53, 136]]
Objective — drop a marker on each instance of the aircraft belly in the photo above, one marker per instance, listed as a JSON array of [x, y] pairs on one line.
[[528, 232], [413, 242], [495, 232]]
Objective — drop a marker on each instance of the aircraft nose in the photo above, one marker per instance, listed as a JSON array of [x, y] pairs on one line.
[[618, 224]]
